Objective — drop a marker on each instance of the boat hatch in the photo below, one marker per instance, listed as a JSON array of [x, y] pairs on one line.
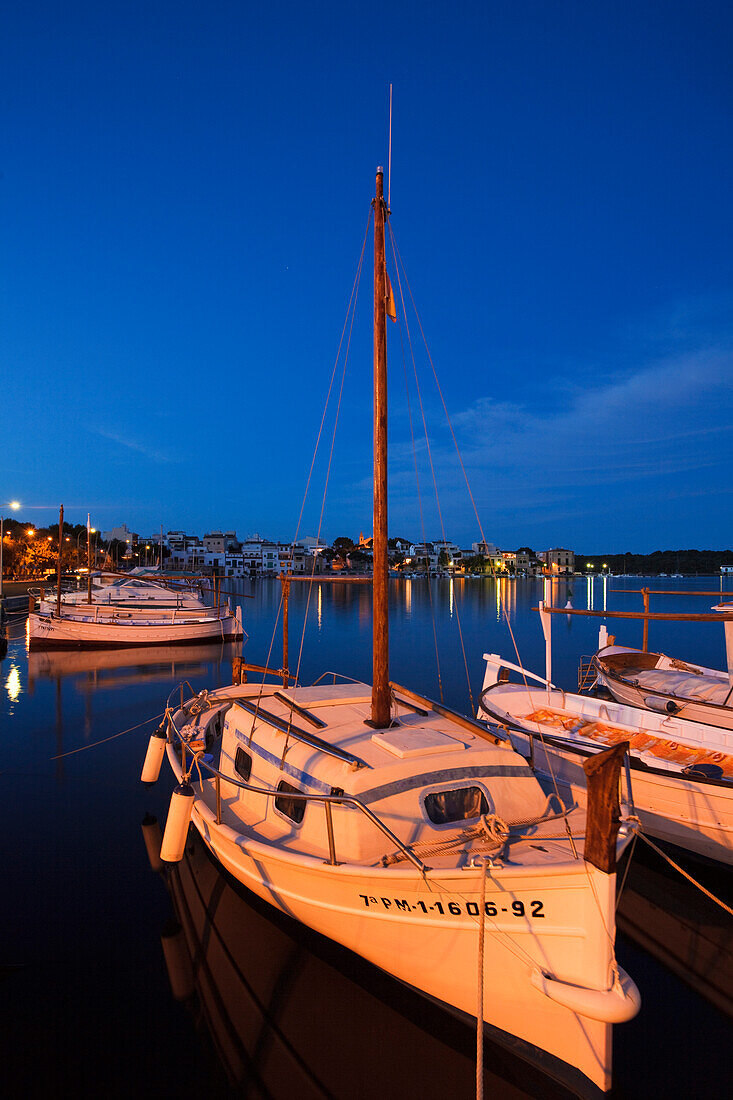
[[416, 741], [327, 695]]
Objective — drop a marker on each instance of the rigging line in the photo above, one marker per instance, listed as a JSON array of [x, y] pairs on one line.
[[354, 289], [396, 250], [349, 311], [355, 293], [419, 496], [430, 456], [389, 161], [463, 468], [627, 868]]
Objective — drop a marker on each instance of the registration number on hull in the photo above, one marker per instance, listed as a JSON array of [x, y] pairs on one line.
[[455, 908]]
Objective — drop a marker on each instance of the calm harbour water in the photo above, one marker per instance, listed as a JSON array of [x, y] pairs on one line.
[[261, 1007]]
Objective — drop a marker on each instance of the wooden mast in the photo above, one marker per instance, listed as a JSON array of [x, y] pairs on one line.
[[380, 643], [58, 563]]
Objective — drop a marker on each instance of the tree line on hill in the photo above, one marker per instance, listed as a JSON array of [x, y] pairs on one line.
[[659, 561]]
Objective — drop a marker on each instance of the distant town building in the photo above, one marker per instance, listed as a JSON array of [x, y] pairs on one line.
[[559, 560], [122, 534], [486, 549]]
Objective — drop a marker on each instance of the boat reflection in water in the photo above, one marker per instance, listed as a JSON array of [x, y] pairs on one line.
[[294, 1014], [110, 668], [681, 928]]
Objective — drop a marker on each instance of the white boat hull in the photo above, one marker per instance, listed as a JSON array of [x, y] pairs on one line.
[[424, 930], [46, 632]]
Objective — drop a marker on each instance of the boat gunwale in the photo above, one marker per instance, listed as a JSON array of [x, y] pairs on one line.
[[583, 748]]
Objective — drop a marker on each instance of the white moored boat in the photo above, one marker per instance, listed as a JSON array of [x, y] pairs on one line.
[[667, 684], [395, 842], [111, 626], [681, 772], [413, 836]]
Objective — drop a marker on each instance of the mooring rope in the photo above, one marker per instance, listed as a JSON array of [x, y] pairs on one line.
[[103, 741], [686, 874]]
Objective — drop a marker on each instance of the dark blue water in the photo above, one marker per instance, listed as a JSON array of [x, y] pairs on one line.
[[87, 1007]]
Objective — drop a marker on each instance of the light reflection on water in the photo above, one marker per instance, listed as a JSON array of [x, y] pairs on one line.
[[85, 902], [12, 684]]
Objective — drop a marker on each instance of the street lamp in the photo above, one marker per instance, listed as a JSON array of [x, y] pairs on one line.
[[14, 505]]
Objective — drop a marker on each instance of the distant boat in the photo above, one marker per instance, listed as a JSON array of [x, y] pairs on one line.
[[129, 613]]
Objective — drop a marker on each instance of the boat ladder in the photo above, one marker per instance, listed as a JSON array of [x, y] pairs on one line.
[[586, 673]]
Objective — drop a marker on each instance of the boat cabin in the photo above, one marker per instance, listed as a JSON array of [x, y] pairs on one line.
[[425, 778]]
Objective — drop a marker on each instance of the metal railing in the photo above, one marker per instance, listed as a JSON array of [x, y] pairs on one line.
[[327, 800]]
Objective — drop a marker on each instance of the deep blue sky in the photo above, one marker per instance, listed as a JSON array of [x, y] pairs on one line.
[[185, 189]]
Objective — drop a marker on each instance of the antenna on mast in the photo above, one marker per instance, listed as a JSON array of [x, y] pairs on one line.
[[389, 161]]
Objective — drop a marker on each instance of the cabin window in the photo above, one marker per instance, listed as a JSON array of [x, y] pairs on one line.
[[460, 804], [243, 764], [294, 808]]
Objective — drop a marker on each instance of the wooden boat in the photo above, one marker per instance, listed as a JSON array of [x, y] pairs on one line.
[[112, 626], [681, 772], [653, 680], [413, 836]]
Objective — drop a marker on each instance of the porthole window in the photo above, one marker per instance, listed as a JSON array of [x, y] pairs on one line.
[[294, 808], [460, 804], [243, 764]]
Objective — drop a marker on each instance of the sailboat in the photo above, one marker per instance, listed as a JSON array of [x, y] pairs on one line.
[[129, 612], [412, 835]]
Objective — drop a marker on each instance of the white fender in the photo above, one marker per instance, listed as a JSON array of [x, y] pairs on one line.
[[176, 827], [611, 1006], [153, 757]]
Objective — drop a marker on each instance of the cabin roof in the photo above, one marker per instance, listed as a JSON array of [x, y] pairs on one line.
[[429, 747]]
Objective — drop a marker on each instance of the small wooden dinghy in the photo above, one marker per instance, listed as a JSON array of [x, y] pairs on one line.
[[665, 684]]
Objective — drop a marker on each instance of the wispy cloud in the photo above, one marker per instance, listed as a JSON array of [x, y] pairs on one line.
[[133, 445], [657, 419]]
